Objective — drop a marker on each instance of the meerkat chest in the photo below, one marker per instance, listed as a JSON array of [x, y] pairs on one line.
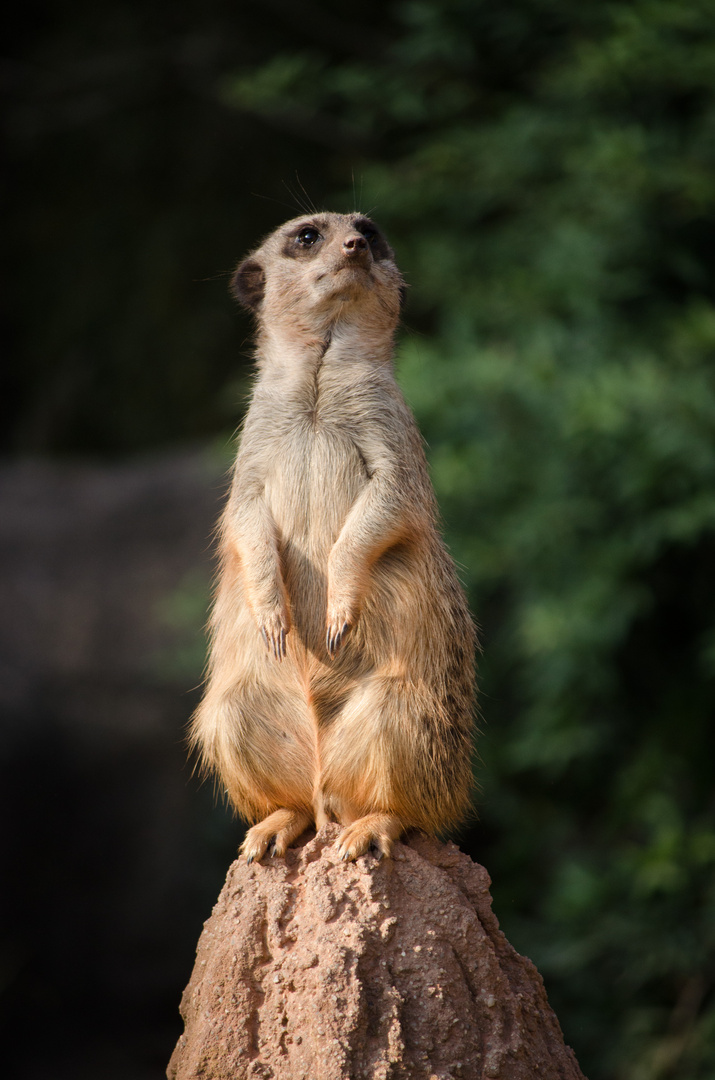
[[314, 468]]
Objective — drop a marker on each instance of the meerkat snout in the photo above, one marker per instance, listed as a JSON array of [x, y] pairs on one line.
[[355, 245]]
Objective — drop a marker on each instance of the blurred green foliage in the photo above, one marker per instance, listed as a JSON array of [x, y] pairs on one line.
[[546, 172]]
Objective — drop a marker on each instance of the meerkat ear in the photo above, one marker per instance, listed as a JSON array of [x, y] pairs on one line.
[[248, 283]]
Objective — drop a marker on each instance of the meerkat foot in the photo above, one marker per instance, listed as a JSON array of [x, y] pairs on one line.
[[380, 830], [282, 827]]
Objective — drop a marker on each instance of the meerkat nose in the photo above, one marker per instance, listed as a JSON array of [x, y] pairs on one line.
[[355, 244]]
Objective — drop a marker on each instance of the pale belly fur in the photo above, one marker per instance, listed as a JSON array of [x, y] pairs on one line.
[[309, 501]]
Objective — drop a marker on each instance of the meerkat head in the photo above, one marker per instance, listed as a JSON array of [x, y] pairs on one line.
[[320, 269]]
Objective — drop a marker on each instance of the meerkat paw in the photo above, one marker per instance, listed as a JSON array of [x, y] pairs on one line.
[[281, 827], [274, 627], [376, 830], [340, 623]]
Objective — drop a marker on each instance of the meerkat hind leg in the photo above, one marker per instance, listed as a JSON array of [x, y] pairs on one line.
[[381, 830], [282, 826]]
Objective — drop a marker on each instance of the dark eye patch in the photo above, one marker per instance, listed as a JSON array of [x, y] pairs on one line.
[[308, 236], [301, 240], [378, 245]]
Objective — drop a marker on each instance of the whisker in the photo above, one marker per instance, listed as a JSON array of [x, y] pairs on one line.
[[278, 202], [299, 203], [313, 209]]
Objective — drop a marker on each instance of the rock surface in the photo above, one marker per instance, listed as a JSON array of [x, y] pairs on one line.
[[314, 969]]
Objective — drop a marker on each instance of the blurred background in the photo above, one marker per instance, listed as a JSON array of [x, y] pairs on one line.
[[546, 174]]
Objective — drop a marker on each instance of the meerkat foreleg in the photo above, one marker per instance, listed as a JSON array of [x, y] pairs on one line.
[[373, 525], [251, 529]]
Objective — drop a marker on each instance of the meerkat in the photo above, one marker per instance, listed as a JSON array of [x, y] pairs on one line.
[[341, 672]]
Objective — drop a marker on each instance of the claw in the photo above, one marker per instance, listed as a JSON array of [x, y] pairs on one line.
[[275, 641], [272, 851], [334, 640], [249, 860]]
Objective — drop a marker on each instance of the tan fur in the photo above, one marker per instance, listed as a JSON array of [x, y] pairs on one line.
[[341, 671]]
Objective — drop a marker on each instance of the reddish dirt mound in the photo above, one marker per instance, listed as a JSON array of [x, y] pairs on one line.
[[314, 969]]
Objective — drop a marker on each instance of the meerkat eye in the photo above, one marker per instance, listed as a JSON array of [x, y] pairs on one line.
[[307, 236], [369, 233]]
